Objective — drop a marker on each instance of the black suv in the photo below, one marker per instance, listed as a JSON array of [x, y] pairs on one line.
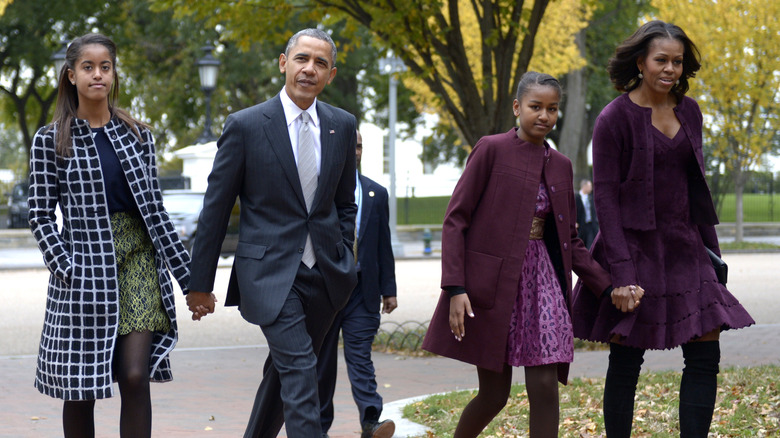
[[17, 206]]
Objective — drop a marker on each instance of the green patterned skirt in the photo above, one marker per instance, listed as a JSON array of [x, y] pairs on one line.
[[140, 301]]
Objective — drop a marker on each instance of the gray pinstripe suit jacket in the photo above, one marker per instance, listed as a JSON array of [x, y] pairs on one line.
[[255, 162], [82, 307]]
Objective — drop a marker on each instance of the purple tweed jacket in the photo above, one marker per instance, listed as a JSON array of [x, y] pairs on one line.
[[623, 179]]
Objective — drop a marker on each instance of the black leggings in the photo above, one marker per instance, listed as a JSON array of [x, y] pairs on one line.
[[131, 363]]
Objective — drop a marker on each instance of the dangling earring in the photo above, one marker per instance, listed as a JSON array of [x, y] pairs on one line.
[[640, 76], [677, 82]]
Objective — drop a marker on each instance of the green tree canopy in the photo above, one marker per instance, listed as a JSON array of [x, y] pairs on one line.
[[156, 64], [30, 33], [151, 52]]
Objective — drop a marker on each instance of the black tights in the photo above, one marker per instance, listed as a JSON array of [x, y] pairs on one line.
[[698, 388], [542, 388], [131, 364]]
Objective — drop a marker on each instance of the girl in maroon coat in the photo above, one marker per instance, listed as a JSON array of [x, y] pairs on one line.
[[509, 244]]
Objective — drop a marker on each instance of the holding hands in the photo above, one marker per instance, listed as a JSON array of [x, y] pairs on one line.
[[627, 298], [201, 304]]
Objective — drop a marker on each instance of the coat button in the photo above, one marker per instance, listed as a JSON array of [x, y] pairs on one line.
[[560, 218], [566, 246], [300, 250]]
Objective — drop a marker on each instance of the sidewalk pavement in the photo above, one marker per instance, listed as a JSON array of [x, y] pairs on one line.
[[213, 388], [28, 256]]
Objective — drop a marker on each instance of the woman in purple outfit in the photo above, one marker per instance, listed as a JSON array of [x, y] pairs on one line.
[[656, 217], [509, 244]]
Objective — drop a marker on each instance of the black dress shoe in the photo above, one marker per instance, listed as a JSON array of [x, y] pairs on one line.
[[382, 429]]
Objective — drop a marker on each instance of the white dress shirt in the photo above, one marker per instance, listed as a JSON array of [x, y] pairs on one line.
[[292, 114]]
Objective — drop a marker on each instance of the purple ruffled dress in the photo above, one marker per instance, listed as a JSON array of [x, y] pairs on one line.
[[683, 299], [540, 331]]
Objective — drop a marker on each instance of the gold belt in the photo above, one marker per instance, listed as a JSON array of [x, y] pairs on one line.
[[537, 228]]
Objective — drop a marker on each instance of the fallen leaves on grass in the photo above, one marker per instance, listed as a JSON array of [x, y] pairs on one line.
[[748, 405]]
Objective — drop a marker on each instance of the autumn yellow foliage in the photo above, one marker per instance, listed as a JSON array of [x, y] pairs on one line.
[[555, 51], [464, 57], [4, 4]]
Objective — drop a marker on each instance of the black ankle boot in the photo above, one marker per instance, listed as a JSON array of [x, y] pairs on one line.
[[698, 388], [619, 388]]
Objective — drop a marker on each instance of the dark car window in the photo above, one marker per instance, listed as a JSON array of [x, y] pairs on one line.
[[17, 206], [20, 192], [184, 206]]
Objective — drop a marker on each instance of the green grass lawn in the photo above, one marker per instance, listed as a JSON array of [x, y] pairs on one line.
[[756, 208], [421, 211], [747, 246], [748, 405]]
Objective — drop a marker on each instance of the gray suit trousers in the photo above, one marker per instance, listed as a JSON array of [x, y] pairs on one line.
[[288, 392]]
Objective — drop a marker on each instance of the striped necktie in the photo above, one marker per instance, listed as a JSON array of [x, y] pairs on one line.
[[307, 172]]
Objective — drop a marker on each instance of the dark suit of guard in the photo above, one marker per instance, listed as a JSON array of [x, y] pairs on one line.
[[588, 223], [359, 320], [293, 304]]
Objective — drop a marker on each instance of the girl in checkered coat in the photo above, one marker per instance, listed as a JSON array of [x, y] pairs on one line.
[[110, 312]]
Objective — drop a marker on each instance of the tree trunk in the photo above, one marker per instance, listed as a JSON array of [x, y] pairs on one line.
[[739, 187], [572, 140]]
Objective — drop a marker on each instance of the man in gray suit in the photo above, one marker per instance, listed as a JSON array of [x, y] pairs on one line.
[[291, 162]]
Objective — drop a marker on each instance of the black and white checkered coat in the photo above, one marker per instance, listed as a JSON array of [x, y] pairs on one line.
[[82, 308]]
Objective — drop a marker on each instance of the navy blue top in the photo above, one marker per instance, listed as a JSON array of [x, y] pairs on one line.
[[118, 193]]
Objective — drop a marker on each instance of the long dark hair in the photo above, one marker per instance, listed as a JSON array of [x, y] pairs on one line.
[[68, 97], [622, 67]]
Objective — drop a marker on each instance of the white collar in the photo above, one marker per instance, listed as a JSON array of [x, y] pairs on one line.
[[292, 111]]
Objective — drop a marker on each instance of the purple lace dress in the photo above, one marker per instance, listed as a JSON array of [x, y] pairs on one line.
[[540, 331]]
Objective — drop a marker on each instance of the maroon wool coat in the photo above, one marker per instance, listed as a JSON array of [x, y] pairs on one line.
[[484, 238]]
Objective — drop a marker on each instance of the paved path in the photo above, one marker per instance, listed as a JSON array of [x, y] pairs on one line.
[[216, 365], [214, 388]]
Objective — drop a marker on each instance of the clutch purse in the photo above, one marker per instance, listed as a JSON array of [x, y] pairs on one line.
[[721, 268]]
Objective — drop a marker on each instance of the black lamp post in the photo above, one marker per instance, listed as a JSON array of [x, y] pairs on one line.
[[208, 67], [59, 59]]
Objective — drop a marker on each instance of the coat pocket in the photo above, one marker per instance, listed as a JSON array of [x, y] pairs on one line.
[[482, 274], [250, 250]]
